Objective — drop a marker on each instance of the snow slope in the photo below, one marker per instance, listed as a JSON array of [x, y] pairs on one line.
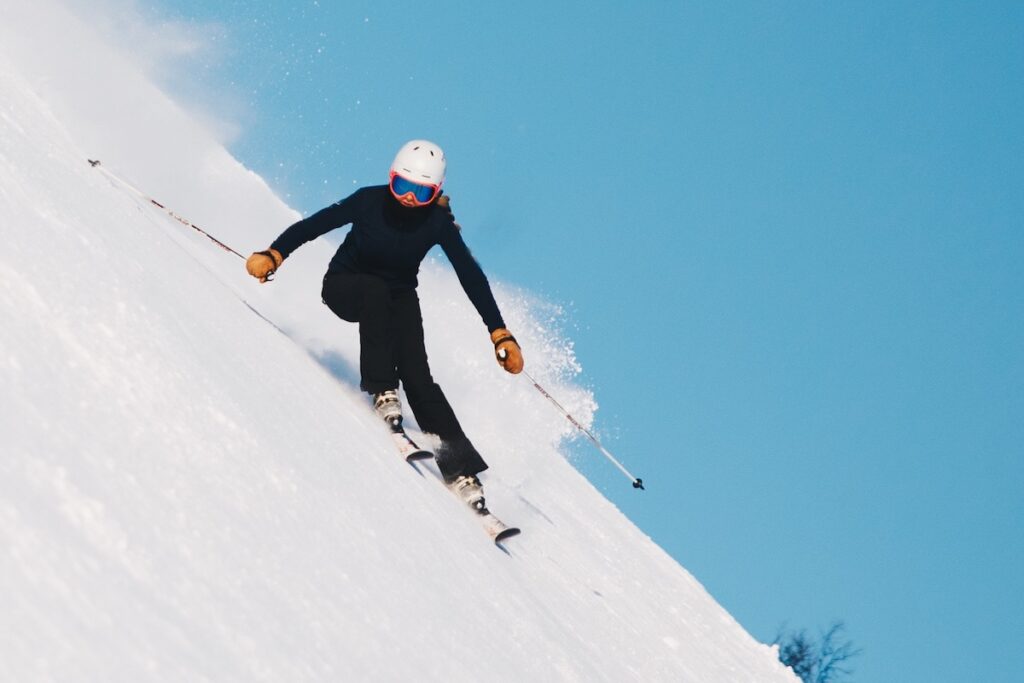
[[191, 485]]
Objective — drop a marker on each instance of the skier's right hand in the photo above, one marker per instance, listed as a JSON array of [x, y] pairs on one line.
[[263, 264]]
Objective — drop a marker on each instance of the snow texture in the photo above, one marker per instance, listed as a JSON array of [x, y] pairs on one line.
[[192, 486]]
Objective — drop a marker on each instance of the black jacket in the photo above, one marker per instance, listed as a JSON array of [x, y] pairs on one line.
[[390, 241]]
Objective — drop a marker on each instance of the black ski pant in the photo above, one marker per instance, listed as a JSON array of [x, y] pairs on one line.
[[392, 350]]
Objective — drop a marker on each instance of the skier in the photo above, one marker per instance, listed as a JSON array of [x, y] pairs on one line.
[[372, 281]]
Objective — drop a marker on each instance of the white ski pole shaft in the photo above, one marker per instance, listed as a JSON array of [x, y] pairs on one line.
[[637, 483], [95, 163]]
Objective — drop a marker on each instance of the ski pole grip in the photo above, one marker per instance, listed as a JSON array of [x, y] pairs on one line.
[[507, 338]]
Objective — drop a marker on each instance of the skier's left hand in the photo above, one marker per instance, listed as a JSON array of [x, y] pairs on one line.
[[507, 351]]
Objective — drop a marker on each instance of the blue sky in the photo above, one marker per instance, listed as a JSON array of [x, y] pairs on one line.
[[788, 240]]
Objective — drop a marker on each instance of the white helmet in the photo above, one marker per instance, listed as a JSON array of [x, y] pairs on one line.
[[420, 161]]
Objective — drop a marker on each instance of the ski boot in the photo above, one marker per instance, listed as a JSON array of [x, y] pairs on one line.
[[388, 406], [469, 489]]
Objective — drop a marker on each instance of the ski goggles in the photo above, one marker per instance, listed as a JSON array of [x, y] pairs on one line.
[[423, 194]]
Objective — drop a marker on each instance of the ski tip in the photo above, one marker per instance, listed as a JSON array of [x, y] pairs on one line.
[[506, 534], [419, 455]]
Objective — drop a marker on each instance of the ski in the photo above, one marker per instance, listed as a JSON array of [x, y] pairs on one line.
[[496, 529], [407, 448]]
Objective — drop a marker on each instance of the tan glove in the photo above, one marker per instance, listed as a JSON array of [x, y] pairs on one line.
[[507, 351], [263, 264]]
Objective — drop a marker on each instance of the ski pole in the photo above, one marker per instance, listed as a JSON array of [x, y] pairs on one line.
[[637, 483], [95, 163]]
